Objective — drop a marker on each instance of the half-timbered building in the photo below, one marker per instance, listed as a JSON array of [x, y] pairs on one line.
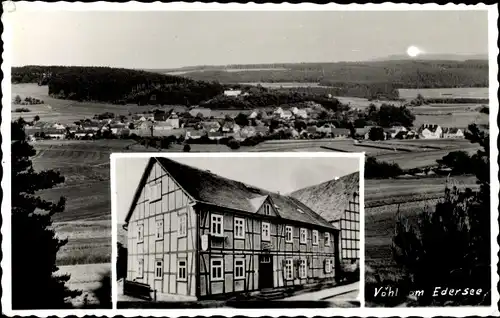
[[194, 233]]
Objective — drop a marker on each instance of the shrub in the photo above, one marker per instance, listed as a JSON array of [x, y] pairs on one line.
[[187, 148], [22, 110], [233, 144], [375, 169], [450, 247], [376, 133]]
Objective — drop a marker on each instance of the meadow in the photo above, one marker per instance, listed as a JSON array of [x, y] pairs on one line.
[[85, 278], [67, 111], [462, 92], [384, 198]]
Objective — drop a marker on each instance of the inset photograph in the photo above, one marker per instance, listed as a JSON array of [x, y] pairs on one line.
[[237, 230]]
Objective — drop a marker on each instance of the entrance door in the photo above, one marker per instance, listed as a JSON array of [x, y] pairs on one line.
[[266, 279]]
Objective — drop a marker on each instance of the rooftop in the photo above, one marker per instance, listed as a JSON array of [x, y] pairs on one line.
[[208, 188]]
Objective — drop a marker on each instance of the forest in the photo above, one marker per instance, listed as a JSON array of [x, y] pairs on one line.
[[356, 79], [117, 85]]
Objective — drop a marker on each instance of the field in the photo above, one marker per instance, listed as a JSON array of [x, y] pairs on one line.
[[464, 92], [453, 119], [283, 84], [66, 111], [410, 197], [85, 278], [86, 221]]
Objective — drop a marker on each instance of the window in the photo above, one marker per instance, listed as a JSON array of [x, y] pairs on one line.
[[140, 267], [140, 233], [327, 239], [315, 237], [216, 269], [182, 225], [159, 229], [217, 225], [303, 236], [266, 235], [328, 265], [158, 269], [303, 268], [289, 234], [239, 228], [239, 268], [181, 270], [267, 209], [289, 269]]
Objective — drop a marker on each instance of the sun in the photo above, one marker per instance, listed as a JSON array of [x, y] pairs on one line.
[[413, 51]]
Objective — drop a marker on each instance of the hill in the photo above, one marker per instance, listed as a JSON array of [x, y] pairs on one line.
[[329, 199], [402, 72], [357, 79], [116, 85]]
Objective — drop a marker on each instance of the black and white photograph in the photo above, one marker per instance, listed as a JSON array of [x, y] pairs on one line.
[[412, 87], [249, 232]]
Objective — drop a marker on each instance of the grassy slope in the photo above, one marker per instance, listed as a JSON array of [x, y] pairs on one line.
[[379, 217]]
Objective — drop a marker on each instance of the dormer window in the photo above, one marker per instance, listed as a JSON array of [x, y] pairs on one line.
[[267, 209]]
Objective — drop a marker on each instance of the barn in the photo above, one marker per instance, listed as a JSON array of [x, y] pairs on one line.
[[196, 234]]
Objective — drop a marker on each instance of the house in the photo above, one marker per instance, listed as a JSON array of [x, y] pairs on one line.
[[58, 126], [145, 125], [261, 130], [253, 115], [326, 128], [230, 127], [55, 133], [216, 135], [95, 126], [299, 113], [169, 118], [286, 114], [84, 133], [450, 133], [428, 131], [247, 131], [232, 93], [205, 112], [278, 112], [394, 130], [211, 126], [161, 125], [195, 134], [341, 133], [139, 118], [312, 129], [115, 127], [363, 132], [193, 233], [338, 202]]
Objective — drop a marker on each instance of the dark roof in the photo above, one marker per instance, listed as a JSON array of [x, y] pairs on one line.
[[330, 199], [430, 127], [206, 187]]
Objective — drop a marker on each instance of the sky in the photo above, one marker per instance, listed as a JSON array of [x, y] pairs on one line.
[[283, 175], [172, 39]]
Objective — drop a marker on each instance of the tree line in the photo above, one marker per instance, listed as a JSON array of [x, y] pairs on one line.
[[117, 85], [364, 79]]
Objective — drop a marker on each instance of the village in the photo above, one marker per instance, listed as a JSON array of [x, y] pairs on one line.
[[202, 124]]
